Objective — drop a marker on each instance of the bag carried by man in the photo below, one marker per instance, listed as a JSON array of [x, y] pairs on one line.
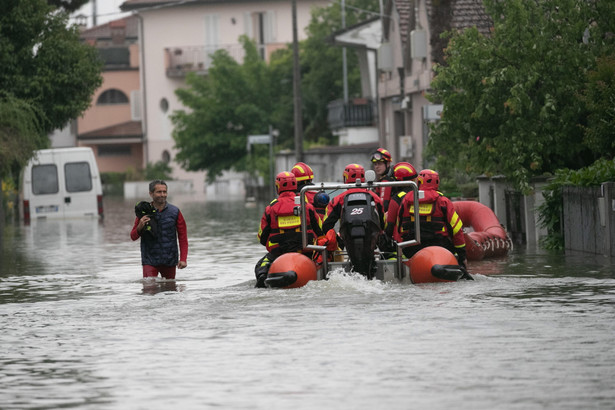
[[151, 228]]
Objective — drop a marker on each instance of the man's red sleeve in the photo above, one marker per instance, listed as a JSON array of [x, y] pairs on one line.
[[134, 234], [182, 236]]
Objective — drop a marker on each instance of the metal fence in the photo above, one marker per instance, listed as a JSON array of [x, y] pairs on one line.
[[589, 219]]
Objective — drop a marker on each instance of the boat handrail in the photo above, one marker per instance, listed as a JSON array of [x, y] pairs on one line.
[[367, 185]]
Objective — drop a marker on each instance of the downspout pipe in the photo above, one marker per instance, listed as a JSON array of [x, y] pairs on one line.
[[143, 89]]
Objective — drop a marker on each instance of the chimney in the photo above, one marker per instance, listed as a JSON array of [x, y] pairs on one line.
[[118, 31]]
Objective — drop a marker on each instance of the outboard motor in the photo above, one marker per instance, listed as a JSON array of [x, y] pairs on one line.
[[360, 229]]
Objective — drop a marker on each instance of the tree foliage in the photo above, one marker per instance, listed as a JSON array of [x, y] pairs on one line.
[[236, 100], [511, 100], [599, 97], [233, 101], [44, 63], [47, 78], [20, 133]]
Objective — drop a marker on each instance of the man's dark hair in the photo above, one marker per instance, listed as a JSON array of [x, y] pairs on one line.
[[152, 185]]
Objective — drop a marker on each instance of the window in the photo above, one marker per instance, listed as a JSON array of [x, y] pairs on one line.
[[112, 96], [78, 177], [115, 56], [44, 179], [164, 105], [114, 151]]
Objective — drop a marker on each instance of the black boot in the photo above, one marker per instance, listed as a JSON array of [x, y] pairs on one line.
[[261, 270]]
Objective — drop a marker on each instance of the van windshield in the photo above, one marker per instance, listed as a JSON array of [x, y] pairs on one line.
[[78, 177], [44, 179]]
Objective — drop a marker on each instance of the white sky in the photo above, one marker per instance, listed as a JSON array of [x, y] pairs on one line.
[[106, 10]]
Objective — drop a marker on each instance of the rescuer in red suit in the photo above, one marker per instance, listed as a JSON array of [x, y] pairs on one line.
[[402, 171], [352, 172], [440, 224], [305, 176], [381, 163], [280, 228]]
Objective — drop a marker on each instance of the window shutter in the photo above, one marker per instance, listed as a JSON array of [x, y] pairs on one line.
[[135, 105], [270, 27]]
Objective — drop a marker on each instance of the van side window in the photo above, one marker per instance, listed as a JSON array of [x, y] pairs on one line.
[[78, 176], [44, 179]]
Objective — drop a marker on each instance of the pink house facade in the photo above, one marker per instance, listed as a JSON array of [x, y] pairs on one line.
[[112, 125]]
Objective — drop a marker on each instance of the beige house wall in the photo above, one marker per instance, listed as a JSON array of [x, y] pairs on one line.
[[389, 89], [417, 78]]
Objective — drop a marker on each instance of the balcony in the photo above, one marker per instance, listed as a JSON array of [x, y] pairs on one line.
[[181, 60], [358, 112]]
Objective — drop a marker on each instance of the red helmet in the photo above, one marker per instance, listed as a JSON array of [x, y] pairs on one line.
[[302, 172], [428, 179], [381, 154], [285, 181], [404, 171], [352, 172]]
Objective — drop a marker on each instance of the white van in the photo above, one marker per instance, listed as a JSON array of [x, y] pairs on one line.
[[61, 183]]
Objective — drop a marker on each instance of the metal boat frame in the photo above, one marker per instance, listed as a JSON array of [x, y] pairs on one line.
[[386, 270]]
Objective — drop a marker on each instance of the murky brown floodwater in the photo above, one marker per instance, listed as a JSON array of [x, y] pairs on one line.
[[79, 328]]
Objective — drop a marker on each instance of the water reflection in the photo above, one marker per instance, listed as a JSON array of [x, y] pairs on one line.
[[153, 287]]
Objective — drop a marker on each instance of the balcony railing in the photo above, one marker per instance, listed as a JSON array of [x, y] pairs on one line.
[[181, 60], [358, 112]]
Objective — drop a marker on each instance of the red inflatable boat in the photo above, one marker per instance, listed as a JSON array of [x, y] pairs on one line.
[[487, 238], [431, 264]]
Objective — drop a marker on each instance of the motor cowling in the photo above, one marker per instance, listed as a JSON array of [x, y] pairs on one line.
[[359, 230]]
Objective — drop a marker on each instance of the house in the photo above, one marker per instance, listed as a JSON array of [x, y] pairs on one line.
[[396, 53], [112, 125], [411, 45], [355, 121], [178, 37]]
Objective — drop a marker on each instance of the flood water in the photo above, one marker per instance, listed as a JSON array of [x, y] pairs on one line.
[[80, 329]]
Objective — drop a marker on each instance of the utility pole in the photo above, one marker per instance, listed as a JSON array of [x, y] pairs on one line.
[[344, 63], [94, 13], [297, 90]]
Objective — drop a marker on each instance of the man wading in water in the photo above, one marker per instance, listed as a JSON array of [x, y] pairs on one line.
[[159, 246]]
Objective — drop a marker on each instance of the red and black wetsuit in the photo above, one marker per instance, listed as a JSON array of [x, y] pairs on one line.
[[280, 229], [440, 224]]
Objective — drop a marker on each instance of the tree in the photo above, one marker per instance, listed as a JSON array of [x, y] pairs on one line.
[[599, 97], [511, 100], [44, 63], [233, 101], [20, 133], [236, 100], [47, 78]]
